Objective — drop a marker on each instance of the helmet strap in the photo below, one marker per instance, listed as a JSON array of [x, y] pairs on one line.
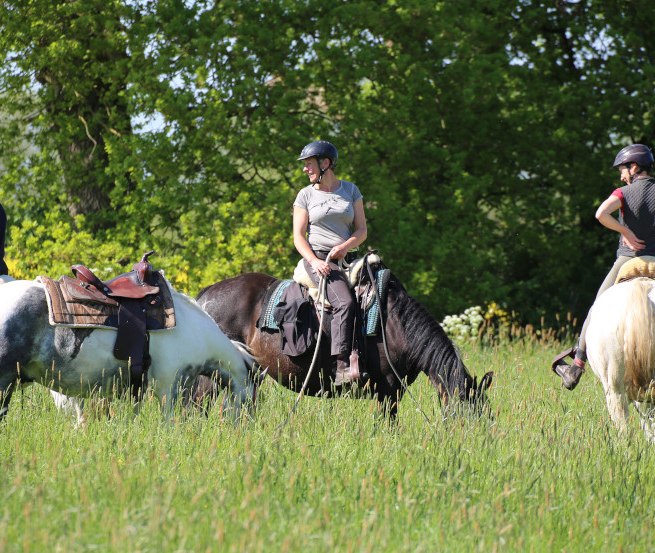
[[321, 171]]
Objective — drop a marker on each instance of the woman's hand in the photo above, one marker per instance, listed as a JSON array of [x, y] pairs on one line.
[[320, 267], [338, 252], [630, 240]]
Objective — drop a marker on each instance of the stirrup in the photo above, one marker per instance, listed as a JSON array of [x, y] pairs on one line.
[[570, 374], [559, 358], [346, 375]]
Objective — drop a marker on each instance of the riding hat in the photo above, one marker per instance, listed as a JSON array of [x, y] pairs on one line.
[[635, 153], [322, 149]]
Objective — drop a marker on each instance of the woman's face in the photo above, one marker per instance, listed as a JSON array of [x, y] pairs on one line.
[[625, 173], [311, 169]]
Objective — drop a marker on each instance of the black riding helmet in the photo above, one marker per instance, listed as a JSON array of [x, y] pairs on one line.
[[635, 153], [321, 149]]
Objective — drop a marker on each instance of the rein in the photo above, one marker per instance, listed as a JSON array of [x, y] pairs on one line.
[[322, 285], [322, 290]]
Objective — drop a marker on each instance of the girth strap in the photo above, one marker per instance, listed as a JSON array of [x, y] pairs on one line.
[[132, 342]]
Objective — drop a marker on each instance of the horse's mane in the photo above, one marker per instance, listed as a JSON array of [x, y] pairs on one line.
[[428, 349]]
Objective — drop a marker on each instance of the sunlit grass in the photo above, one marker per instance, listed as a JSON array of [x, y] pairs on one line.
[[546, 472]]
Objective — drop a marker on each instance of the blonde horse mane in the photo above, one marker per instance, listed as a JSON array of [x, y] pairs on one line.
[[638, 331]]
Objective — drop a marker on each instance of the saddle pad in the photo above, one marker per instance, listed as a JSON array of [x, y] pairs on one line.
[[352, 272], [70, 304], [267, 320], [371, 318], [643, 266]]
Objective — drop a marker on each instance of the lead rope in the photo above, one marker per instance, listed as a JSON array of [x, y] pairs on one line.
[[321, 293], [383, 330]]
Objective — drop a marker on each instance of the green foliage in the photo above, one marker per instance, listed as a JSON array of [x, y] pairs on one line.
[[480, 133]]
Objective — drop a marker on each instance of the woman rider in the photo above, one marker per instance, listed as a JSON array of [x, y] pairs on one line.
[[329, 221], [636, 225]]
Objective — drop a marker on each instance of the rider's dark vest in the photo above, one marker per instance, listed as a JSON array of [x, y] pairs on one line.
[[638, 214]]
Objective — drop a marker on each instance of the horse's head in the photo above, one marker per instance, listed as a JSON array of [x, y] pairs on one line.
[[475, 393]]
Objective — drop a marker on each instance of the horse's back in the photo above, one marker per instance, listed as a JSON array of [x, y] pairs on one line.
[[21, 298], [621, 335], [235, 303], [621, 306]]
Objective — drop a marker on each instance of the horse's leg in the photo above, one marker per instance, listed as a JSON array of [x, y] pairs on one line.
[[647, 419], [7, 387], [615, 396], [70, 405], [387, 408]]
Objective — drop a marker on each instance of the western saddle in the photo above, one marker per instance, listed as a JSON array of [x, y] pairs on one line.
[[132, 293]]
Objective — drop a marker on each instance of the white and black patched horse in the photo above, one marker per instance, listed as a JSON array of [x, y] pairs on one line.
[[80, 362]]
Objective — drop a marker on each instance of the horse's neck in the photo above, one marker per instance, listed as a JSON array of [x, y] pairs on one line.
[[429, 350]]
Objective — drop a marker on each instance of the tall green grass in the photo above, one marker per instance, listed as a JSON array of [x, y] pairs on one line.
[[547, 472]]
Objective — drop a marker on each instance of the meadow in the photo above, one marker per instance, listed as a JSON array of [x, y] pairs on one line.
[[547, 472]]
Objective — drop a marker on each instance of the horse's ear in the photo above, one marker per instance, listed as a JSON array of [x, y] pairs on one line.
[[471, 389], [485, 383]]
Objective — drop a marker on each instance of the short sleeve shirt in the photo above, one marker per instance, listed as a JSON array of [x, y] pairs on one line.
[[331, 214]]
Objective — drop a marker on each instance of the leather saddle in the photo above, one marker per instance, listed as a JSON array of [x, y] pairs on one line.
[[133, 293], [136, 284], [353, 273]]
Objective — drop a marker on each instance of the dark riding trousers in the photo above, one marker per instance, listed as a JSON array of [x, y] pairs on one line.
[[341, 299]]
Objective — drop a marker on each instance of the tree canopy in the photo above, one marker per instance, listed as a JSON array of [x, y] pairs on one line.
[[481, 134]]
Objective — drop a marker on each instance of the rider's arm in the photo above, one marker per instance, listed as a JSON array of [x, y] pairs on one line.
[[604, 216]]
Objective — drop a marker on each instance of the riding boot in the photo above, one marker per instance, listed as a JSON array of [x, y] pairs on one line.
[[345, 374], [570, 374]]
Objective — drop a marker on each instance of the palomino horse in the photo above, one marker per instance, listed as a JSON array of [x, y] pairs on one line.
[[79, 361], [621, 350], [415, 343]]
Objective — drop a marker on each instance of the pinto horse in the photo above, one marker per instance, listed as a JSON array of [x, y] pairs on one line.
[[621, 350], [79, 361], [414, 340]]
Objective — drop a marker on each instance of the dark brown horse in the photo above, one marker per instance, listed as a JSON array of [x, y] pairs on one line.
[[415, 343]]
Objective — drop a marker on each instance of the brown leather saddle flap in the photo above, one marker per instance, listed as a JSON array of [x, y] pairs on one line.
[[76, 291], [72, 303]]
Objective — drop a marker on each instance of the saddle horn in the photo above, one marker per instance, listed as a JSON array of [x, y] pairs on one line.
[[143, 268]]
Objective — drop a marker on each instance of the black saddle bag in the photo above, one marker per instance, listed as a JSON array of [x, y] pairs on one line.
[[296, 320]]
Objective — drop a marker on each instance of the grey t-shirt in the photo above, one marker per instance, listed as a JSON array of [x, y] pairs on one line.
[[331, 214]]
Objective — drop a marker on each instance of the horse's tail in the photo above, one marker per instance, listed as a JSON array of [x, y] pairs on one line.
[[638, 330], [248, 358]]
